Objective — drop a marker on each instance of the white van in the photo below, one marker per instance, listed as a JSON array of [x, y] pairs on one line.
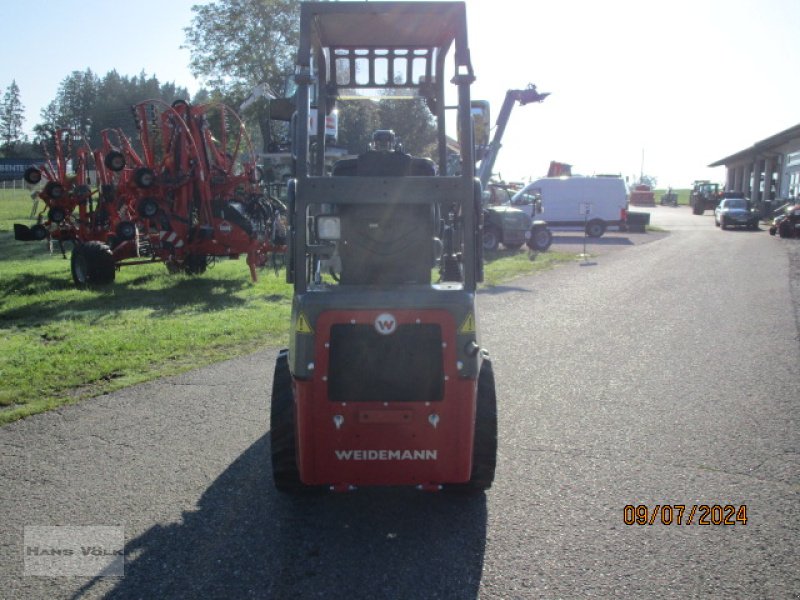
[[568, 202]]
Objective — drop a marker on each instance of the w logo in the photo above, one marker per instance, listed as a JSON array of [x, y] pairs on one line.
[[385, 324]]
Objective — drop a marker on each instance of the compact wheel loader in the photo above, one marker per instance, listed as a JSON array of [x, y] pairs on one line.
[[384, 382]]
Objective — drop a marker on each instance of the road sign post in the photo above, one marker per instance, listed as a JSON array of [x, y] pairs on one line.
[[586, 210]]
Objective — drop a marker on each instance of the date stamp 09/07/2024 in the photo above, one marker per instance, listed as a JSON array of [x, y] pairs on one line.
[[685, 514]]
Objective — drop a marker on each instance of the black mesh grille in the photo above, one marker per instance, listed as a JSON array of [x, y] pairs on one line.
[[405, 366]]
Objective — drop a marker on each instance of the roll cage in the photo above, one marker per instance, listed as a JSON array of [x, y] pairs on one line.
[[386, 50]]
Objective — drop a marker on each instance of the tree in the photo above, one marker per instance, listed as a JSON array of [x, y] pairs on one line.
[[237, 45], [86, 104], [413, 124], [72, 107], [358, 119], [117, 94], [11, 120]]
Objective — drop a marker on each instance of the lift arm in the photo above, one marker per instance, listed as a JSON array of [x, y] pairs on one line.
[[524, 97]]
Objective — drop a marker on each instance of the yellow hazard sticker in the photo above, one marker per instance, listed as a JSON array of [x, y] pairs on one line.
[[468, 326], [302, 325]]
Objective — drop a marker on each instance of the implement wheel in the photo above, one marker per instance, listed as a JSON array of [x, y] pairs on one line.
[[195, 264], [144, 177], [32, 175], [92, 264], [114, 161]]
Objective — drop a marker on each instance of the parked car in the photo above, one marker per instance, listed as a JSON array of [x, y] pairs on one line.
[[787, 225], [735, 212]]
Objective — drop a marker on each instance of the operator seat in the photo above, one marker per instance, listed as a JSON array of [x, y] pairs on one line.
[[392, 242]]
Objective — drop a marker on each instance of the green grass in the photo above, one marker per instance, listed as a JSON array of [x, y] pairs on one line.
[[505, 265], [59, 345]]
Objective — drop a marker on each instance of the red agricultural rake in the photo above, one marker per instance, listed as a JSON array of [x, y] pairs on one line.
[[65, 172], [190, 195]]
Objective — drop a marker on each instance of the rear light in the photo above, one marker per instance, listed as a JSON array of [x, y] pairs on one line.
[[623, 215]]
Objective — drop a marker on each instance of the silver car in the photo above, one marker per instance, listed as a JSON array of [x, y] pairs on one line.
[[735, 212]]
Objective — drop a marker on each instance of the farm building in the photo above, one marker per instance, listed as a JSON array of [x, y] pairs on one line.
[[768, 172]]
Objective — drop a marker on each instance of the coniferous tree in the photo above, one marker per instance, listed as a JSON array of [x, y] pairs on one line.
[[12, 117]]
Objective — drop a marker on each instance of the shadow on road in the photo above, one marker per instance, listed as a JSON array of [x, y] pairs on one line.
[[493, 290], [601, 241], [247, 541]]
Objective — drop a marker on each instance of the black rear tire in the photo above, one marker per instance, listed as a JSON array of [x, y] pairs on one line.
[[285, 473], [92, 263], [484, 451]]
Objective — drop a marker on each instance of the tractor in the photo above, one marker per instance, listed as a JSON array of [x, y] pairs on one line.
[[705, 196], [384, 382]]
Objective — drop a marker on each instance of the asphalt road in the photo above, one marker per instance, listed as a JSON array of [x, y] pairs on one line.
[[651, 374]]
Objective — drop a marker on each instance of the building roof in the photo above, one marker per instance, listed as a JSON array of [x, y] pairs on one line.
[[766, 146]]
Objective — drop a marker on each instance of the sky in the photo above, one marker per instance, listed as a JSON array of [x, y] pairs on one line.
[[663, 88]]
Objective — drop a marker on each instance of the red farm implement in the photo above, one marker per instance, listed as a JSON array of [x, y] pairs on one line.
[[190, 194], [193, 192], [66, 188]]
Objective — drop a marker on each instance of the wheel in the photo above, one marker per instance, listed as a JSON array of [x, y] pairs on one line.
[[32, 175], [144, 177], [484, 450], [56, 214], [126, 231], [39, 232], [180, 103], [595, 228], [114, 161], [722, 224], [148, 208], [285, 473], [716, 222], [491, 239], [195, 264], [53, 190], [540, 240], [92, 264], [512, 246]]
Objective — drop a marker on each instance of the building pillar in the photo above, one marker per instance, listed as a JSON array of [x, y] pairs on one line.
[[730, 179], [755, 184], [769, 169], [747, 172], [739, 183]]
